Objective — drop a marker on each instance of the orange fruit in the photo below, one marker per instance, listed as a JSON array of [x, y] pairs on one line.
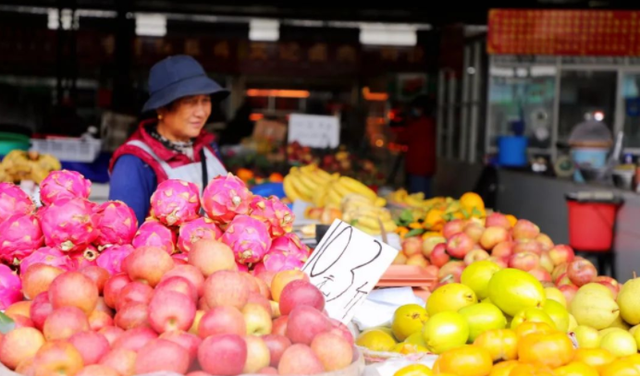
[[528, 369], [512, 219], [530, 327], [434, 220], [597, 358], [244, 174], [471, 200], [469, 360], [620, 367], [553, 349], [502, 344], [504, 368], [576, 369], [276, 177]]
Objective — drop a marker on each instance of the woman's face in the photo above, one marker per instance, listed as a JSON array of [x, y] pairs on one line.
[[186, 117]]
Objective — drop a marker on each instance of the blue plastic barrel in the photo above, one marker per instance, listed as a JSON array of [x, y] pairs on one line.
[[512, 151], [269, 189]]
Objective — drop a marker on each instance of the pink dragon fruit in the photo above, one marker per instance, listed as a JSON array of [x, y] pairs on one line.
[[192, 231], [111, 258], [290, 244], [85, 258], [274, 213], [248, 238], [225, 197], [20, 236], [243, 268], [278, 261], [14, 201], [49, 256], [10, 287], [64, 184], [69, 225], [155, 233], [175, 202], [117, 224]]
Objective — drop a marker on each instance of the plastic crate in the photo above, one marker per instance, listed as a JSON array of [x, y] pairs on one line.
[[68, 149]]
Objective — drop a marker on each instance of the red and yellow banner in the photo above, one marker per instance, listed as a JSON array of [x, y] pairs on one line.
[[564, 32]]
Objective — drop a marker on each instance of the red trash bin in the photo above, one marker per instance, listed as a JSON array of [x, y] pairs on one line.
[[592, 218]]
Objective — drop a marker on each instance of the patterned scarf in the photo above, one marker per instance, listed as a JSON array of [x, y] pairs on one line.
[[185, 148]]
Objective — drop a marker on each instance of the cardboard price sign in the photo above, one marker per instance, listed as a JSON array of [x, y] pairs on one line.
[[315, 131], [346, 265]]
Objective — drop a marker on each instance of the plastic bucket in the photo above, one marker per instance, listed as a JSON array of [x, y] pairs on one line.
[[512, 151], [593, 157], [13, 141], [592, 221]]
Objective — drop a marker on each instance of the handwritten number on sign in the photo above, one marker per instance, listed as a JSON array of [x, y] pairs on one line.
[[337, 274]]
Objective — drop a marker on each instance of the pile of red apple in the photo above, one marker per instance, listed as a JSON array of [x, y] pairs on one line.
[[521, 246], [200, 318]]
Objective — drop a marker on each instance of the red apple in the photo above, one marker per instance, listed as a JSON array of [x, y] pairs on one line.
[[226, 287], [98, 320], [342, 329], [298, 293], [475, 255], [305, 323], [545, 242], [91, 345], [412, 246], [40, 309], [98, 275], [400, 259], [148, 264], [569, 292], [498, 220], [257, 298], [188, 341], [179, 284], [559, 270], [223, 354], [280, 325], [524, 261], [122, 360], [474, 231], [454, 227], [561, 254], [134, 292], [190, 273], [111, 333], [161, 355], [459, 245], [132, 315], [503, 249], [500, 261], [563, 279], [610, 283], [581, 272], [417, 260], [333, 350], [135, 339], [541, 274], [493, 236], [527, 245], [74, 289], [171, 310], [300, 359], [64, 322], [257, 319], [429, 244], [545, 262], [524, 229], [113, 287], [258, 355], [453, 268], [222, 320], [277, 344], [57, 358], [439, 256]]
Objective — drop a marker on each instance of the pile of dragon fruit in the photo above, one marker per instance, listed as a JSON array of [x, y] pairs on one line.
[[70, 232]]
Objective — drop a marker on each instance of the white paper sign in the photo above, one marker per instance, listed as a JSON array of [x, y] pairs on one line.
[[346, 265], [315, 131]]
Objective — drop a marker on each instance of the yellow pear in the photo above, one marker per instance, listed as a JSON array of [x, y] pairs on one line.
[[629, 302], [531, 315], [558, 314], [619, 323], [477, 277], [593, 308], [482, 317], [636, 335], [376, 340], [604, 332], [634, 329], [587, 337], [619, 343], [597, 288], [416, 339], [407, 320], [450, 297], [573, 324], [513, 290], [445, 331], [553, 293]]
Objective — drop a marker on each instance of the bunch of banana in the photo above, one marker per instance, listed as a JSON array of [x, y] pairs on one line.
[[366, 214], [303, 183], [416, 200]]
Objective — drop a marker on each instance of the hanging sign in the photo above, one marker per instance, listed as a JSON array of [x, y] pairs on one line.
[[314, 131]]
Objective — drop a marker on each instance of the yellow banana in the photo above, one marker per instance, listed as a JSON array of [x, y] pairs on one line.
[[381, 202], [333, 198], [319, 196], [305, 193], [289, 189], [356, 186]]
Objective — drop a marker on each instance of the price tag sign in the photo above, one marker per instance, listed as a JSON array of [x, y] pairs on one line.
[[314, 131], [346, 265]]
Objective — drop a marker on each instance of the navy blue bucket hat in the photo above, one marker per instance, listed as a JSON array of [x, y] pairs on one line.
[[179, 76]]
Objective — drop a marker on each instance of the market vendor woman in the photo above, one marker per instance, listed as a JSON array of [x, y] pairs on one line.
[[173, 145]]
